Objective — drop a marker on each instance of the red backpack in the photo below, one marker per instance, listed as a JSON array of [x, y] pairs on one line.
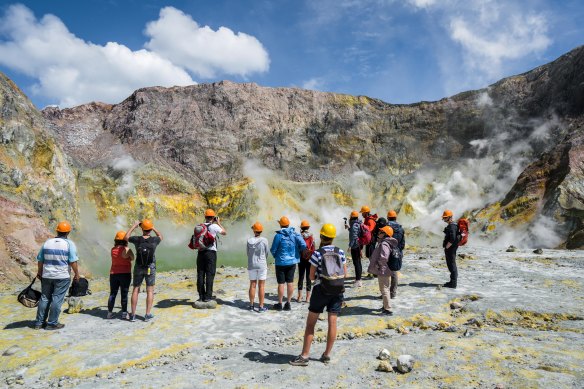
[[202, 238], [364, 237], [463, 227], [309, 248]]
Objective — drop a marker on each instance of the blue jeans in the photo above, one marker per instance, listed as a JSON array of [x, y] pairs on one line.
[[53, 294]]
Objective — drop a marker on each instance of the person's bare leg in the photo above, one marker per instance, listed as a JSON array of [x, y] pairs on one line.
[[149, 298], [299, 295], [290, 292], [309, 333], [307, 296], [280, 293], [261, 291], [331, 334], [252, 290], [135, 292]]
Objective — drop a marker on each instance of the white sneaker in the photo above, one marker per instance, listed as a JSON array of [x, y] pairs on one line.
[[125, 316], [359, 284]]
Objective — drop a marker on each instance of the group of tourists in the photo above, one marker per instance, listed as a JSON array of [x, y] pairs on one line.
[[322, 270]]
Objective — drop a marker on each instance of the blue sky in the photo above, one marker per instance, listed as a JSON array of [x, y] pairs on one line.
[[73, 52]]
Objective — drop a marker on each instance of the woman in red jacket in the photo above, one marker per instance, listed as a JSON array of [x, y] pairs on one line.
[[120, 274]]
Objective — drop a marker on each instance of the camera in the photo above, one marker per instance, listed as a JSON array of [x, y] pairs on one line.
[[345, 219]]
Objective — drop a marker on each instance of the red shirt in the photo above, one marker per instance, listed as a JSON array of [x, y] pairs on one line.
[[120, 265], [370, 222]]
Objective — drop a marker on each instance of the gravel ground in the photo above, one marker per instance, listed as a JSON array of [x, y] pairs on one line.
[[518, 324]]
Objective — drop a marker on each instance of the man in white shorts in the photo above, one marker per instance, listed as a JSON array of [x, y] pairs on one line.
[[257, 266]]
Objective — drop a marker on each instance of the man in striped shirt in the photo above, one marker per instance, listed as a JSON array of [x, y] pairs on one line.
[[55, 259], [327, 292]]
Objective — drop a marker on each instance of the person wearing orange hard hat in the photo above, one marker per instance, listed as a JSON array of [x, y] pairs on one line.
[[204, 240], [304, 264], [120, 274], [257, 266], [379, 265], [54, 263], [400, 236], [369, 221], [354, 226], [145, 265], [450, 245], [286, 249]]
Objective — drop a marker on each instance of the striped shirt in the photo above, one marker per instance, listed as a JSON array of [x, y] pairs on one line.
[[56, 255], [316, 261]]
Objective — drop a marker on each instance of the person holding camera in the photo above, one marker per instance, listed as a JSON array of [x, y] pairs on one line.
[[120, 274], [207, 256]]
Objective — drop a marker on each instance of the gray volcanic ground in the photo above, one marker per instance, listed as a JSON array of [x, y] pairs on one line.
[[518, 324]]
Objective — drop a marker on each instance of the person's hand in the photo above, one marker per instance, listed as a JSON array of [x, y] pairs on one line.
[[76, 278]]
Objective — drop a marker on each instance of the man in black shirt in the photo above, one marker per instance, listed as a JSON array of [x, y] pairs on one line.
[[145, 265], [450, 245]]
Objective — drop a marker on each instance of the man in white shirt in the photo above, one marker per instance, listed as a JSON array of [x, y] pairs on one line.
[[207, 257]]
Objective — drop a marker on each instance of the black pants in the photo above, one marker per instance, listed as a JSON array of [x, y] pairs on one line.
[[206, 266], [119, 281], [356, 255], [451, 263], [304, 268], [369, 249]]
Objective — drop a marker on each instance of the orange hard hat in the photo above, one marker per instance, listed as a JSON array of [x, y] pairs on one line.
[[257, 227], [120, 235], [447, 213], [64, 226], [392, 213], [365, 209], [209, 213], [146, 225], [388, 230], [304, 223], [284, 221], [354, 214]]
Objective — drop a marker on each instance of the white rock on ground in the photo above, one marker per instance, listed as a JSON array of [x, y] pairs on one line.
[[405, 363], [383, 355]]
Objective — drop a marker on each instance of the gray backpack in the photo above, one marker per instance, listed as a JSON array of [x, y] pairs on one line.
[[332, 277]]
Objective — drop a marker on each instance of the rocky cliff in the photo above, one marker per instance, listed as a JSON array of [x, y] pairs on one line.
[[37, 186]]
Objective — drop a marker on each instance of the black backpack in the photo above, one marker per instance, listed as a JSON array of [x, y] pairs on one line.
[[395, 259], [145, 252], [398, 234], [79, 288]]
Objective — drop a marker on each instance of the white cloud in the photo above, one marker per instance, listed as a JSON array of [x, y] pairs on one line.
[[422, 3], [313, 84], [205, 52], [70, 71]]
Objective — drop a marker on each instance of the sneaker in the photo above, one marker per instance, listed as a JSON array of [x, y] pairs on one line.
[[250, 307], [392, 296], [359, 284], [132, 318], [57, 326], [148, 317], [287, 306], [325, 358], [39, 326], [110, 315], [262, 309], [125, 316], [343, 304], [299, 361], [449, 285], [386, 312], [277, 307]]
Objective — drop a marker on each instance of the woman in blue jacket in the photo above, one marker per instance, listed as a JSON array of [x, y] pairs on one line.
[[286, 248]]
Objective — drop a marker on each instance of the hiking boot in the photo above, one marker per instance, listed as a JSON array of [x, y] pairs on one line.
[[57, 326], [148, 317], [110, 315], [386, 312], [449, 285], [287, 306], [325, 358], [277, 307], [38, 326], [132, 318], [299, 361], [262, 309], [125, 316]]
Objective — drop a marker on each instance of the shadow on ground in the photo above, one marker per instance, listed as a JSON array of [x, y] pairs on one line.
[[169, 303], [269, 357]]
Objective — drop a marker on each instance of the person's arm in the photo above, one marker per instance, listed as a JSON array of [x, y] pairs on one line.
[[275, 245], [223, 230], [450, 236], [157, 233], [128, 254], [385, 251], [39, 270], [129, 232], [353, 235], [75, 270], [313, 272]]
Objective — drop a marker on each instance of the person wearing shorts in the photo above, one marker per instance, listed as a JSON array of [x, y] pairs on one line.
[[257, 266], [145, 265], [286, 249], [321, 299]]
